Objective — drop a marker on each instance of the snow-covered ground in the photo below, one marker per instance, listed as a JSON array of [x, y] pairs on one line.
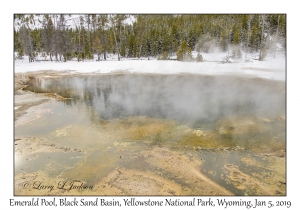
[[270, 68]]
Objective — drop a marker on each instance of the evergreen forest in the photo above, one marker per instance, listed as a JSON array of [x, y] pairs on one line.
[[63, 37]]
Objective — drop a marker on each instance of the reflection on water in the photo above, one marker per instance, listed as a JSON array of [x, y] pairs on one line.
[[188, 99], [115, 118]]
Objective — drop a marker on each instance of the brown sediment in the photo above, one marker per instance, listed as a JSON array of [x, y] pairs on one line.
[[32, 145], [24, 100], [250, 184], [277, 153], [30, 111], [122, 181], [39, 183], [91, 168], [23, 107], [185, 177], [274, 175], [187, 170], [25, 183], [20, 81]]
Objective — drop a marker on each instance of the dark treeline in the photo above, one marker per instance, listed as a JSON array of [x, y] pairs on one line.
[[62, 37]]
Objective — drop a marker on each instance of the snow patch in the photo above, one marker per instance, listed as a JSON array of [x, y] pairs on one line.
[[270, 68]]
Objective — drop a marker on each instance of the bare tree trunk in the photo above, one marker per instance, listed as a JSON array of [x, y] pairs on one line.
[[276, 37], [103, 38], [83, 47], [89, 34], [116, 42], [248, 37], [79, 47], [141, 38], [228, 42], [262, 37], [31, 58], [140, 51], [104, 53], [27, 42], [118, 45]]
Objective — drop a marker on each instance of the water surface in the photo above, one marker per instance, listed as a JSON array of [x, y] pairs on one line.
[[115, 118]]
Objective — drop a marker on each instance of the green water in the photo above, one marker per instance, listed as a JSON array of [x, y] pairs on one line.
[[114, 118]]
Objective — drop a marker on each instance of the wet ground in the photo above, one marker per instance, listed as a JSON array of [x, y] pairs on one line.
[[132, 134]]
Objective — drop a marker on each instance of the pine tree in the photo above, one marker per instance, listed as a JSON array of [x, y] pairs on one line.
[[165, 56], [47, 35], [262, 44], [98, 47], [224, 40], [184, 53], [255, 34], [27, 42], [236, 37], [248, 34], [18, 47]]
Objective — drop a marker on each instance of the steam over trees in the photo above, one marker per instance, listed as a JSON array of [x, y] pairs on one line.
[[64, 37]]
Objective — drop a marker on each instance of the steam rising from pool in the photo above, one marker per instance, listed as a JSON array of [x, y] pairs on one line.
[[188, 99], [231, 125]]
